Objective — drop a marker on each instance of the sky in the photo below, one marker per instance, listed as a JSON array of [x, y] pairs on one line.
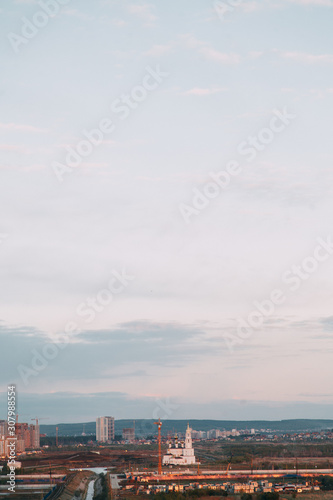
[[165, 232]]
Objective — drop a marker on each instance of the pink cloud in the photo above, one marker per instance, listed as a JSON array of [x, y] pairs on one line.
[[207, 51], [325, 3], [19, 127], [158, 50], [221, 57], [308, 58], [201, 92], [144, 11]]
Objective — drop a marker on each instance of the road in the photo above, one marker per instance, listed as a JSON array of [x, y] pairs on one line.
[[114, 481], [223, 474], [271, 472]]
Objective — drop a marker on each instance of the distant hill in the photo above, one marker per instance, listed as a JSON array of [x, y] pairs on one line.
[[145, 427]]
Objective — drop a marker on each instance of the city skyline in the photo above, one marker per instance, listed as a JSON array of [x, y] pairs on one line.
[[166, 246]]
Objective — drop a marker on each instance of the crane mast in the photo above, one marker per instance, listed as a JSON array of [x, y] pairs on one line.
[[159, 425]]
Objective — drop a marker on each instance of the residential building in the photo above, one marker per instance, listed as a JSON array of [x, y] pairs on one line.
[[129, 435], [29, 434], [3, 428], [105, 429]]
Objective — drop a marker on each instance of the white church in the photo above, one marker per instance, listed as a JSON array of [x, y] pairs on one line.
[[180, 452]]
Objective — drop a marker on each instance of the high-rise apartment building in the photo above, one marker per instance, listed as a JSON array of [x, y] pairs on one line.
[[29, 434], [6, 443], [105, 429], [34, 436], [3, 428]]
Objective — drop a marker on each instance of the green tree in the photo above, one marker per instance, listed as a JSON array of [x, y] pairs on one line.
[[5, 470], [104, 494], [269, 496], [326, 483]]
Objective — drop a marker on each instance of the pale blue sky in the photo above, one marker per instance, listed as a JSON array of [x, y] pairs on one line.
[[163, 335]]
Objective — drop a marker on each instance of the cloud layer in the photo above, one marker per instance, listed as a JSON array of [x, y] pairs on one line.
[[189, 96]]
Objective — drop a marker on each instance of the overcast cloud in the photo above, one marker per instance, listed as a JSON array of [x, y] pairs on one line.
[[214, 84]]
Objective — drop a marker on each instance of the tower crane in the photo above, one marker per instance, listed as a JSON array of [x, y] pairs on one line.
[[38, 419], [159, 425], [229, 464]]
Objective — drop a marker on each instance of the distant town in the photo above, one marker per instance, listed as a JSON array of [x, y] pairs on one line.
[[140, 459]]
